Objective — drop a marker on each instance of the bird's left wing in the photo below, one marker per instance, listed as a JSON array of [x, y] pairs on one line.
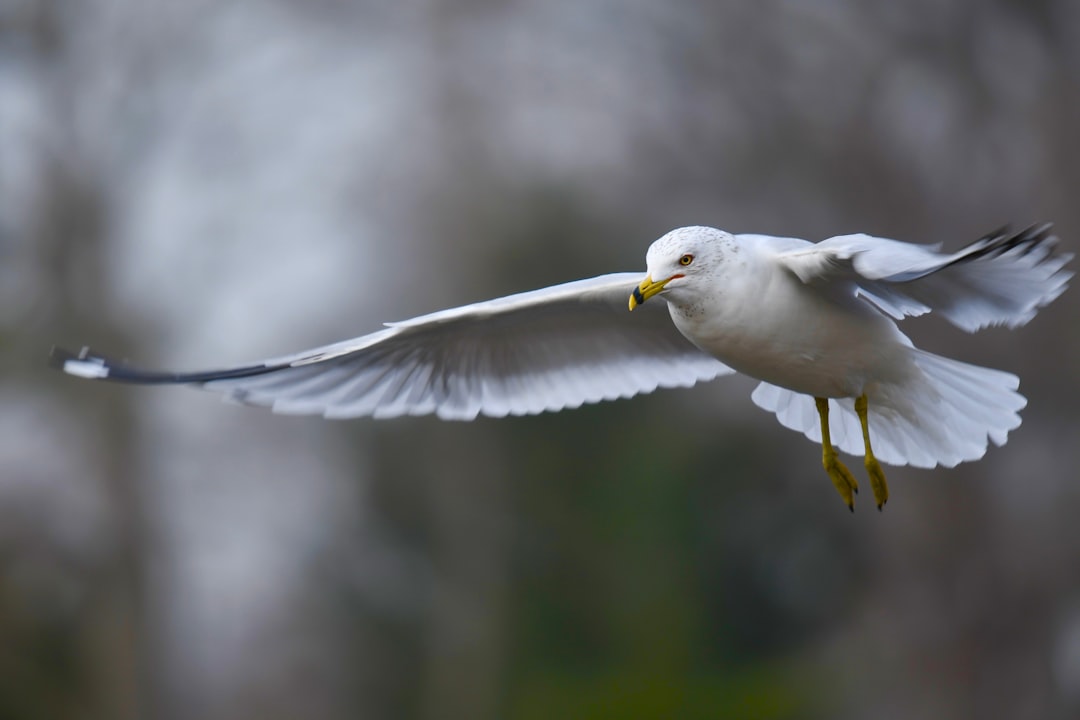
[[1000, 279], [548, 349]]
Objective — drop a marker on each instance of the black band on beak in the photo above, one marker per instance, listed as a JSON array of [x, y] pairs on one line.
[[638, 296]]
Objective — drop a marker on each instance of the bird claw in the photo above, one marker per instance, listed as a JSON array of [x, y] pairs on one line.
[[877, 482], [842, 479]]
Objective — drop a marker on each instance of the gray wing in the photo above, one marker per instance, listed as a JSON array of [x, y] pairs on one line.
[[1000, 279], [548, 349]]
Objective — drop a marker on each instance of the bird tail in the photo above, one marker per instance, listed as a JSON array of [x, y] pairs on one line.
[[945, 415]]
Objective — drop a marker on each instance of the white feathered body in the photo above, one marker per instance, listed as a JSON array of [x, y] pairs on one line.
[[830, 344]]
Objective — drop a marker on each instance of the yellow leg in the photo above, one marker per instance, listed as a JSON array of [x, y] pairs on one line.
[[873, 467], [839, 474]]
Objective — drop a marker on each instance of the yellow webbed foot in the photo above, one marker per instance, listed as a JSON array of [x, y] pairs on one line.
[[839, 474], [873, 467], [877, 481], [841, 478]]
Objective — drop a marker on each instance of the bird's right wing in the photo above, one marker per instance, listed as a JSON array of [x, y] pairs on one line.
[[1001, 279], [548, 349]]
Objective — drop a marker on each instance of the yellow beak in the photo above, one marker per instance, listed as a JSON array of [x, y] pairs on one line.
[[646, 290]]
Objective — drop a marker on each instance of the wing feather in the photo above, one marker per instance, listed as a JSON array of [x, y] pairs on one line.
[[548, 349], [1000, 279]]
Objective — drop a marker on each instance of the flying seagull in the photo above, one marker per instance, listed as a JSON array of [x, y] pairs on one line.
[[815, 323]]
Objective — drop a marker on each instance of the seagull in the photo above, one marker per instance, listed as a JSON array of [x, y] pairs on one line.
[[815, 323]]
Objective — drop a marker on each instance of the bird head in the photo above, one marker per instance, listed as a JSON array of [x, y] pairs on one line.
[[678, 262]]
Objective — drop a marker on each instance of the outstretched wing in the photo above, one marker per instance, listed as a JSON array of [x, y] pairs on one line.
[[1001, 279], [548, 349]]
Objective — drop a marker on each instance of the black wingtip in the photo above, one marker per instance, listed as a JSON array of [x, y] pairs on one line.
[[1003, 240], [94, 367]]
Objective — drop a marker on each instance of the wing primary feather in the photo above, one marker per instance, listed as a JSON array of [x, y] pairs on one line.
[[1001, 241], [84, 364], [374, 376]]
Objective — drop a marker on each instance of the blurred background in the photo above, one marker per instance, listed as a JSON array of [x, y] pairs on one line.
[[198, 184]]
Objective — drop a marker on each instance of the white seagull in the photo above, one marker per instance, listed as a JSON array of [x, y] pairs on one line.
[[814, 322]]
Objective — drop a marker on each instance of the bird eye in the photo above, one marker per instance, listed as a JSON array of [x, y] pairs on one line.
[[686, 259]]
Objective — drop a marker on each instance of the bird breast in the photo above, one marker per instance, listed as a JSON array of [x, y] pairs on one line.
[[794, 336]]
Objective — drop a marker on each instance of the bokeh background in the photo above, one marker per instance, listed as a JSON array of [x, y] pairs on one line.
[[193, 184]]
